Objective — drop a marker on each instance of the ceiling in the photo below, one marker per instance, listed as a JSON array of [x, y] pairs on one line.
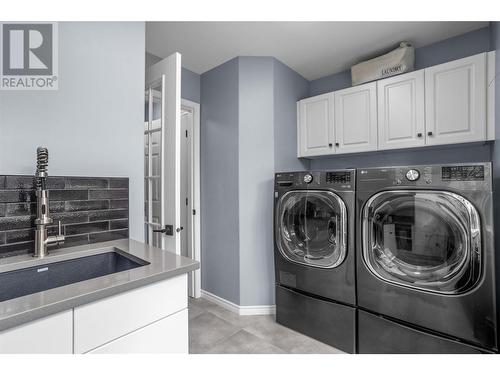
[[313, 49]]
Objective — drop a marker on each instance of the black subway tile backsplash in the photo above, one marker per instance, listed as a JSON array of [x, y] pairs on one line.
[[86, 183], [100, 226], [16, 222], [70, 217], [118, 183], [20, 209], [7, 196], [118, 224], [68, 195], [22, 235], [16, 249], [108, 236], [91, 209], [108, 215], [87, 205], [108, 194], [118, 203]]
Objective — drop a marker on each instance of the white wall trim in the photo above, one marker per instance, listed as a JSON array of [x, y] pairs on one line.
[[237, 309]]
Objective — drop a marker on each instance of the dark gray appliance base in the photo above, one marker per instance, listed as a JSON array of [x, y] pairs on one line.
[[378, 335], [331, 323]]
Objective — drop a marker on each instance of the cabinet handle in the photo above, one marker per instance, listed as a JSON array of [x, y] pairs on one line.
[[337, 144], [419, 135], [330, 145], [429, 133]]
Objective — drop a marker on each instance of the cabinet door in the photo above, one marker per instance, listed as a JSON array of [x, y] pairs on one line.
[[356, 119], [401, 112], [315, 125], [455, 101], [168, 335], [104, 320], [50, 335]]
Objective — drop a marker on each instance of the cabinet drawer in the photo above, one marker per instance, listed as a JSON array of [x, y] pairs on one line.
[[50, 335], [168, 335], [103, 321]]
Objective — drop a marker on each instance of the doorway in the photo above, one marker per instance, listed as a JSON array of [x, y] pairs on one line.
[[190, 190]]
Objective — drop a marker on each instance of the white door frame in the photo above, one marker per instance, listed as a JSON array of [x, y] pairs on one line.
[[195, 220], [168, 72]]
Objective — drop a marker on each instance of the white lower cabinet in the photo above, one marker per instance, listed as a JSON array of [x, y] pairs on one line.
[[102, 321], [168, 335], [148, 319], [50, 335]]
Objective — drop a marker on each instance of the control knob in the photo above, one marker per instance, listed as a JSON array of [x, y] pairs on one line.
[[308, 178], [412, 175]]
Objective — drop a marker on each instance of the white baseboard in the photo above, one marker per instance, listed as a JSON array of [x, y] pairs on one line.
[[237, 309]]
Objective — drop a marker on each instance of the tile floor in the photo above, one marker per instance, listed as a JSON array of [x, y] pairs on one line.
[[216, 330]]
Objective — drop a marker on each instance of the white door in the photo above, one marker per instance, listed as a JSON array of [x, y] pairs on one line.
[[162, 140], [455, 100], [356, 118], [401, 111], [315, 125]]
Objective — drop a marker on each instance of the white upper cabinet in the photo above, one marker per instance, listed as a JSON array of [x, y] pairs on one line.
[[315, 125], [448, 103], [356, 118], [455, 101], [401, 112]]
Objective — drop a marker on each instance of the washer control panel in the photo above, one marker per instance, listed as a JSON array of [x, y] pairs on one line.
[[339, 180], [338, 177]]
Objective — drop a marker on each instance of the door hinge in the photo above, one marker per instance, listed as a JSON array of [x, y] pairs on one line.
[[194, 212], [186, 133], [186, 201]]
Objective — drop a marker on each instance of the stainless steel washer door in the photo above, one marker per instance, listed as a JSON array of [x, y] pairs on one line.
[[428, 240], [311, 228]]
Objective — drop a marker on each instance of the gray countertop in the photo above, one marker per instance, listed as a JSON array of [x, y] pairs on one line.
[[162, 265]]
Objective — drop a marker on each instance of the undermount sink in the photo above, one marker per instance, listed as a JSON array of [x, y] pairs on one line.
[[21, 282]]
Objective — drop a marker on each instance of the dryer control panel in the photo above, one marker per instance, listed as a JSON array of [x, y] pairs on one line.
[[463, 173], [466, 176]]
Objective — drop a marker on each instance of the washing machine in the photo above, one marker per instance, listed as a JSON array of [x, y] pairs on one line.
[[315, 255], [425, 259]]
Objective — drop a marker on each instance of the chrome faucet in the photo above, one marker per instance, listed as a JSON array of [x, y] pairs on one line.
[[42, 240]]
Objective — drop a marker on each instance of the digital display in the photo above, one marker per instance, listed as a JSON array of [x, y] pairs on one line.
[[463, 173], [338, 177]]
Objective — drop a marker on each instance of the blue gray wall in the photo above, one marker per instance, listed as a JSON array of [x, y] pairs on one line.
[[256, 167], [219, 181], [190, 81], [100, 102], [289, 87], [450, 49], [254, 100]]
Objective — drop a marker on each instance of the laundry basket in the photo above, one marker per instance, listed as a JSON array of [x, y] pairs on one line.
[[400, 60]]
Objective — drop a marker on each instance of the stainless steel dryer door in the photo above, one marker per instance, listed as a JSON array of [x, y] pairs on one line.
[[311, 228], [427, 240]]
